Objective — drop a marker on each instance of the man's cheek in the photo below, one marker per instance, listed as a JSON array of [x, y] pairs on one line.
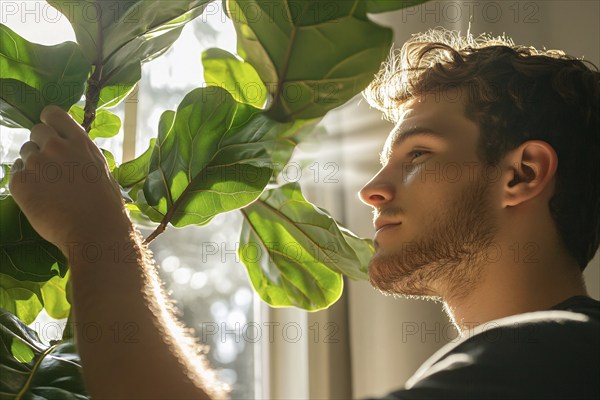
[[410, 174]]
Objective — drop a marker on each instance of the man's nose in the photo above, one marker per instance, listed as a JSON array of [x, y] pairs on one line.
[[377, 192]]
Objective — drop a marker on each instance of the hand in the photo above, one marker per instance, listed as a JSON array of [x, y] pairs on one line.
[[63, 185]]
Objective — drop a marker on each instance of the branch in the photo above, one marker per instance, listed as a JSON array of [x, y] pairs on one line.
[[160, 229], [165, 221], [92, 96]]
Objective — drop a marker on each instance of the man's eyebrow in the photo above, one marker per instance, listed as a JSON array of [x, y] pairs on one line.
[[402, 136]]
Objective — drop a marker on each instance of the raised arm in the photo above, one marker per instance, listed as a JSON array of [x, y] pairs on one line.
[[130, 343]]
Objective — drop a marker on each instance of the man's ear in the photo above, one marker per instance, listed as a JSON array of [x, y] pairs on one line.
[[527, 171]]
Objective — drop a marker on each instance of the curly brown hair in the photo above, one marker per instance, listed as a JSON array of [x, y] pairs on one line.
[[515, 94]]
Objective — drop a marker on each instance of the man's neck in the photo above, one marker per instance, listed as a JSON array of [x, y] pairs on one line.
[[509, 288]]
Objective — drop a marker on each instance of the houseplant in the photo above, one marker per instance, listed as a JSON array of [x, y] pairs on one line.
[[223, 149]]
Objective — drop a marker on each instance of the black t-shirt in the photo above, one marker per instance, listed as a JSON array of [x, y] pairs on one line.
[[552, 354]]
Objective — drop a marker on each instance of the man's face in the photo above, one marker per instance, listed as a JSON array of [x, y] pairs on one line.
[[431, 200]]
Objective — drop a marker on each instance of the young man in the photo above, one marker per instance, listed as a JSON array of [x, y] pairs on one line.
[[489, 199], [504, 231]]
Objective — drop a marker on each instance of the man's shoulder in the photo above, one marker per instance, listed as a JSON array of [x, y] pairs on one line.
[[574, 322], [544, 354], [581, 304]]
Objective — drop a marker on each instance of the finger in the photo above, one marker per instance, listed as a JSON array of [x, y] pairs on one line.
[[41, 133], [93, 146], [17, 166], [28, 149], [61, 121]]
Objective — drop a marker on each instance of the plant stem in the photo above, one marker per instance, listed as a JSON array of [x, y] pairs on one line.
[[165, 221], [160, 229], [37, 364], [92, 96], [174, 206]]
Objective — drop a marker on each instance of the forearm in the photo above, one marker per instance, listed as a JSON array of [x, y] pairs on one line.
[[130, 344]]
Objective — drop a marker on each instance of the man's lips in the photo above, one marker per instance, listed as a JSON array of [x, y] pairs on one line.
[[384, 227], [383, 223]]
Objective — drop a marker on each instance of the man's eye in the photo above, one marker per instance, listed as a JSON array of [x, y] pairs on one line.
[[416, 154]]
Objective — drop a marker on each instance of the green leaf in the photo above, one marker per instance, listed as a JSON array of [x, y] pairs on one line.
[[113, 95], [153, 213], [25, 255], [119, 35], [379, 6], [313, 55], [110, 159], [33, 76], [22, 298], [14, 107], [6, 122], [21, 351], [212, 156], [283, 149], [135, 171], [105, 125], [31, 370], [55, 297], [239, 78], [5, 171], [295, 253], [363, 249], [26, 299]]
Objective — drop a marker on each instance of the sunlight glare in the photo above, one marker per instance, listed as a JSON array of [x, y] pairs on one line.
[[187, 50], [37, 21]]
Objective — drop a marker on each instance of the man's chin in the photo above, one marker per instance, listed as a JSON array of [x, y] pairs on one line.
[[390, 276]]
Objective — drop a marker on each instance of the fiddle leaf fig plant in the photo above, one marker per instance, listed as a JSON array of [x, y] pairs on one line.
[[296, 253], [33, 76], [116, 37], [312, 55], [31, 369], [221, 149]]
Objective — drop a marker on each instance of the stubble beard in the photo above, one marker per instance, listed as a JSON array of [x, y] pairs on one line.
[[448, 258]]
